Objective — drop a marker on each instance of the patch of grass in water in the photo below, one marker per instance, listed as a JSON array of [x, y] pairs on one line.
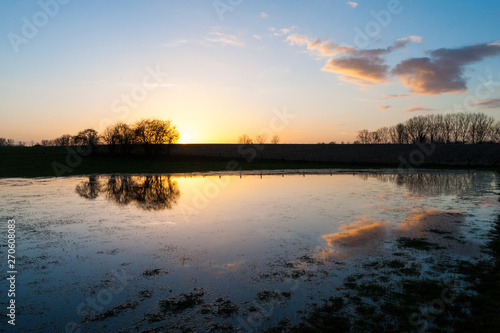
[[418, 244], [182, 301], [439, 231]]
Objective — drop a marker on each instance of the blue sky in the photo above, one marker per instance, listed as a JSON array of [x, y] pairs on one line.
[[228, 66]]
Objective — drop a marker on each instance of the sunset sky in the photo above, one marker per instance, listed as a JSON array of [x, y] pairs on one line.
[[309, 71]]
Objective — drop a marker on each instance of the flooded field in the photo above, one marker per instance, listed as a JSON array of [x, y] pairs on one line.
[[231, 252]]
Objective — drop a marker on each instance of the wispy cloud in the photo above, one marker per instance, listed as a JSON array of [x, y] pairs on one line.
[[418, 109], [323, 48], [282, 31], [257, 37], [490, 103], [223, 39], [394, 96], [175, 43], [264, 15], [443, 71], [384, 107], [352, 4]]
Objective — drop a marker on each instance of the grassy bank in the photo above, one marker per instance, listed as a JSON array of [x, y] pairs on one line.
[[54, 161], [64, 161]]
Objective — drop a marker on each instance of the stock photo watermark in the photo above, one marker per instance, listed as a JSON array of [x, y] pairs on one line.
[[381, 20], [11, 272], [32, 26], [278, 122], [122, 105], [223, 6], [430, 311], [94, 305]]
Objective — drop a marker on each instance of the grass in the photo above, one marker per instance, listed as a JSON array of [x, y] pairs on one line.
[[39, 162], [486, 305]]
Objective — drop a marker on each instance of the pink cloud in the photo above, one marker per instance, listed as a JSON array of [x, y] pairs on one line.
[[443, 71]]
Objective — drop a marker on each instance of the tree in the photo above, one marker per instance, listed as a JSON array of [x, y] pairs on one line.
[[153, 133], [64, 140], [480, 126], [88, 137], [47, 143], [245, 139], [364, 136], [275, 139], [3, 142], [119, 137], [260, 139], [417, 129]]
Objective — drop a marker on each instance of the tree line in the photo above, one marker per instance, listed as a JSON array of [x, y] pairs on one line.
[[259, 139], [449, 128], [120, 137]]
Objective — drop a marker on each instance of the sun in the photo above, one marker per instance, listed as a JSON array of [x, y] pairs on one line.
[[187, 134]]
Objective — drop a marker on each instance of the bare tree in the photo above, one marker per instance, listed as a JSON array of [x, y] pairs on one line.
[[87, 137], [64, 140], [152, 134], [275, 139], [260, 139], [119, 137], [480, 126], [383, 135], [47, 143], [245, 139], [364, 136], [417, 129]]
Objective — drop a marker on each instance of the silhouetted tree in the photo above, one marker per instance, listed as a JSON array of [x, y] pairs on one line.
[[152, 134], [87, 137], [275, 139], [450, 128], [64, 140], [245, 139], [260, 139], [119, 137]]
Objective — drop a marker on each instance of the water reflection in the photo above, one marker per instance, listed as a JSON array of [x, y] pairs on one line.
[[154, 192], [435, 184]]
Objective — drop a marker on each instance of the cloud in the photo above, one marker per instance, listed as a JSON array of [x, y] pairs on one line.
[[264, 15], [323, 48], [257, 37], [358, 233], [223, 39], [384, 107], [353, 4], [443, 71], [282, 31], [359, 70], [176, 43], [490, 103], [297, 39], [364, 67], [418, 109], [394, 96]]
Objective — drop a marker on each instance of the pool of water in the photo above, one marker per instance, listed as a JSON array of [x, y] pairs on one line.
[[228, 252]]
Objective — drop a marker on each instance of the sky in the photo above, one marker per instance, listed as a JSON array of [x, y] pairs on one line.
[[308, 71]]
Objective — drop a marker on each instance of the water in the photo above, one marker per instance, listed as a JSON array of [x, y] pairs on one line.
[[230, 251]]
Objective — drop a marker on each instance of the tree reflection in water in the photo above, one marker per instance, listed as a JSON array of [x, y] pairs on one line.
[[90, 189], [147, 192], [436, 184]]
